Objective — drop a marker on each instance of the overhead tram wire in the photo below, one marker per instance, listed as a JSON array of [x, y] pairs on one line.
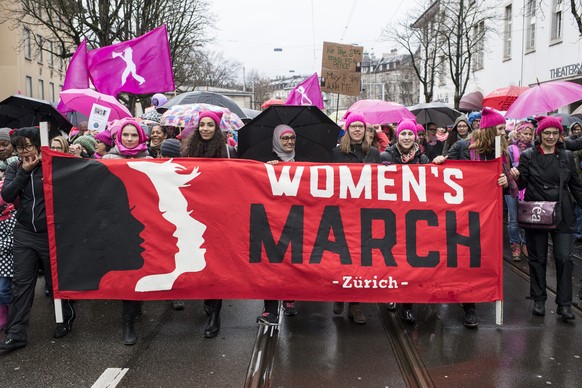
[[355, 3]]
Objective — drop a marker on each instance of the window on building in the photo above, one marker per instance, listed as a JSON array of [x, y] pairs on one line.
[[27, 44], [41, 89], [507, 33], [479, 38], [52, 91], [28, 86], [557, 20], [51, 57], [530, 25], [39, 55]]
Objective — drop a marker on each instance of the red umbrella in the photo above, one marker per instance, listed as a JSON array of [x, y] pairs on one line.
[[272, 101], [501, 99], [380, 112], [544, 98]]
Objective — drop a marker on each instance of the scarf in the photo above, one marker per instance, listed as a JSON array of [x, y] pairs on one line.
[[279, 131], [408, 155]]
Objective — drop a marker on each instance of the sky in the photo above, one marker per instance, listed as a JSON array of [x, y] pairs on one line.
[[249, 30]]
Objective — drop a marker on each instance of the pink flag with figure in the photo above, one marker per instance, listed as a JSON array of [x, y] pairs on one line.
[[77, 76], [139, 66], [306, 93]]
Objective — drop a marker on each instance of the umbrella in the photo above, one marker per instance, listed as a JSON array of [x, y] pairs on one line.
[[187, 116], [544, 98], [434, 112], [19, 111], [82, 100], [272, 101], [471, 102], [199, 97], [568, 120], [316, 134], [501, 99], [249, 114], [380, 112], [152, 115]]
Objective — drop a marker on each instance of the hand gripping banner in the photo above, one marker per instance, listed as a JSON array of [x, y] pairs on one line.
[[189, 228]]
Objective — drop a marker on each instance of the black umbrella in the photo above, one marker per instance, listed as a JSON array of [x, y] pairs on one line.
[[20, 111], [316, 133], [435, 112], [204, 98]]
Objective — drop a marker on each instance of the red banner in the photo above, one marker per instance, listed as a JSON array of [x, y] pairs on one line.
[[191, 228]]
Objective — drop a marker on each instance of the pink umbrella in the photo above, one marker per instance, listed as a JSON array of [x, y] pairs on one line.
[[82, 100], [544, 98], [380, 112]]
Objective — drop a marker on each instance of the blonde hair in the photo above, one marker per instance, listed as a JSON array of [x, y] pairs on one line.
[[483, 141], [63, 142], [345, 144]]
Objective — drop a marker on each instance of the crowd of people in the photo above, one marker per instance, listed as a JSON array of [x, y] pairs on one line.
[[540, 163]]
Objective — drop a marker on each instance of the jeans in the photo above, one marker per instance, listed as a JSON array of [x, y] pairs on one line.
[[5, 291], [537, 246], [512, 226]]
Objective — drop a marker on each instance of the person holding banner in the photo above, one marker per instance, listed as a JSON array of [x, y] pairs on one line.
[[405, 151], [283, 151], [354, 147], [208, 141], [548, 173], [23, 184], [481, 146], [130, 143]]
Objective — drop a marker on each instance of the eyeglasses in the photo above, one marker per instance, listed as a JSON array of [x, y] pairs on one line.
[[356, 126], [57, 148], [27, 147], [287, 138], [550, 134]]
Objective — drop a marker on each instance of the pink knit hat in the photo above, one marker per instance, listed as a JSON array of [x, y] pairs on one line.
[[352, 117], [419, 128], [490, 118], [104, 137], [519, 127], [216, 116], [549, 122], [407, 125]]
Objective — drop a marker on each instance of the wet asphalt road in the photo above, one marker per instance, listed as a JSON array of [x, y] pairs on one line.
[[314, 349]]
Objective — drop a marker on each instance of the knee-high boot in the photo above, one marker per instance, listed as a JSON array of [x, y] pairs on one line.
[[130, 309], [212, 308]]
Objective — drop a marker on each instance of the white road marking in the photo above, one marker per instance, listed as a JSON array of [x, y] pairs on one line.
[[110, 378]]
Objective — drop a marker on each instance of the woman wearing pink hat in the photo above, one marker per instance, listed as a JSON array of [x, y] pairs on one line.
[[208, 141], [130, 143], [548, 173], [406, 150], [481, 146], [354, 147]]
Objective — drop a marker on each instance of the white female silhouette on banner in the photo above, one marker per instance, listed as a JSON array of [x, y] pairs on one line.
[[130, 67]]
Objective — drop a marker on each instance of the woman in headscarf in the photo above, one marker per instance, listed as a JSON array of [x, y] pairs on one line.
[[130, 143], [208, 141], [283, 151]]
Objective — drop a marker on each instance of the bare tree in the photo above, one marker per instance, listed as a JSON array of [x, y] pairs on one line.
[[464, 27], [260, 86], [421, 41], [66, 23], [576, 9]]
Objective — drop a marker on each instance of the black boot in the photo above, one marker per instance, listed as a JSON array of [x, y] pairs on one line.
[[212, 309], [130, 310], [471, 321]]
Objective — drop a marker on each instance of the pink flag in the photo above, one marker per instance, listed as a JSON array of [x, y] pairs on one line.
[[306, 93], [77, 76], [139, 66]]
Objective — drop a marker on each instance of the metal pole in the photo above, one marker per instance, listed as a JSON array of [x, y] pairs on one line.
[[498, 303]]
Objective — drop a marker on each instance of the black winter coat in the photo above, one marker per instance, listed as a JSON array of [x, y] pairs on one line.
[[392, 156], [540, 175], [356, 155], [26, 186]]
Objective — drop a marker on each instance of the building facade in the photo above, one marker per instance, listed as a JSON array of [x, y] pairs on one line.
[[28, 66], [530, 41]]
